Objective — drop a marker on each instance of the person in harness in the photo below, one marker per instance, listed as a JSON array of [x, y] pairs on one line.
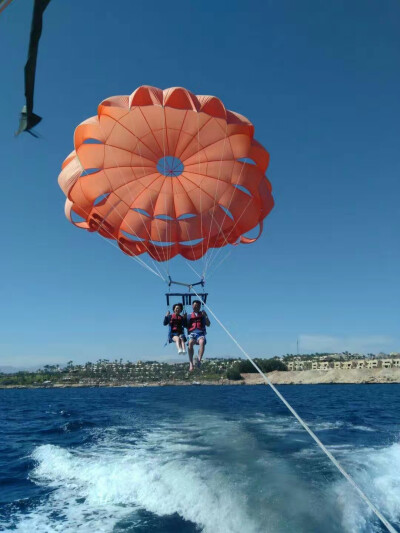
[[176, 323], [196, 324]]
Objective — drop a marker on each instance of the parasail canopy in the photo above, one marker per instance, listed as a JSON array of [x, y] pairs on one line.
[[166, 172]]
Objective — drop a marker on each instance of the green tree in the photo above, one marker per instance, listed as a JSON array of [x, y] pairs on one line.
[[233, 373]]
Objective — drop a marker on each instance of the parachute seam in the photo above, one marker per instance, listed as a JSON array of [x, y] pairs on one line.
[[193, 137], [107, 137], [123, 150], [179, 227], [212, 144], [216, 188], [198, 160], [151, 131], [212, 255], [180, 132], [226, 239], [130, 208], [198, 186], [164, 182], [141, 192], [158, 230], [136, 137], [205, 124], [124, 216]]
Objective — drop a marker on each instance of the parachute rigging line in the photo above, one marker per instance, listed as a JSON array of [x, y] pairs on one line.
[[363, 496], [194, 270], [139, 260], [216, 252], [206, 262]]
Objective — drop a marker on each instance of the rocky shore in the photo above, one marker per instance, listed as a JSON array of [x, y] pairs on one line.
[[290, 377], [333, 375]]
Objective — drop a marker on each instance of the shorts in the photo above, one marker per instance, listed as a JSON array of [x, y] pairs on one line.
[[180, 335], [196, 335]]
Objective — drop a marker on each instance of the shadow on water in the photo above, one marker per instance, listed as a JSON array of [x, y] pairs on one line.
[[144, 521]]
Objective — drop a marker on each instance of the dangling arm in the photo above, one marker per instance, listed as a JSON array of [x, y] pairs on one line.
[[206, 319]]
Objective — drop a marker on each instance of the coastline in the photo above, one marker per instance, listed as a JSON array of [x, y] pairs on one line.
[[125, 385], [332, 375], [291, 377]]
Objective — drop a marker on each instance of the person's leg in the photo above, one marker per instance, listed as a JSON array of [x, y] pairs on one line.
[[182, 344], [190, 353], [202, 346], [175, 338]]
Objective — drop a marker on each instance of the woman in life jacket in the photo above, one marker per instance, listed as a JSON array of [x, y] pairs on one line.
[[196, 326], [176, 323]]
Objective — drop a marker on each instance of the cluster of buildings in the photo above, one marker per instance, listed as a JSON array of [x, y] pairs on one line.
[[336, 361], [143, 371]]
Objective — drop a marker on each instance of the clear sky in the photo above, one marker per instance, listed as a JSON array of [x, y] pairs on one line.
[[321, 83]]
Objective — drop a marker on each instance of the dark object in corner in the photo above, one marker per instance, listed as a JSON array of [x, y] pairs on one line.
[[28, 118]]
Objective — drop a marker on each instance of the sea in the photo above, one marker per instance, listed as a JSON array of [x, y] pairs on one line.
[[212, 459]]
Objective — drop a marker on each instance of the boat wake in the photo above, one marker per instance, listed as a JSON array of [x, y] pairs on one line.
[[210, 474]]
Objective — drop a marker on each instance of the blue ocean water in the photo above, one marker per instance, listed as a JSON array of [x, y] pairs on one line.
[[215, 459]]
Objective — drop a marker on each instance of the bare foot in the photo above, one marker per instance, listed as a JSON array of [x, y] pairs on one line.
[[191, 367]]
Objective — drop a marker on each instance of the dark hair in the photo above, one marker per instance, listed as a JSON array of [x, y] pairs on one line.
[[180, 305], [196, 301]]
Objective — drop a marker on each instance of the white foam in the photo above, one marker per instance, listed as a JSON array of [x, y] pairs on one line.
[[377, 471], [282, 425], [214, 472], [93, 489]]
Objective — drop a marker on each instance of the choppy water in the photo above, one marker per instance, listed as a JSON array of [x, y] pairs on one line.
[[190, 459]]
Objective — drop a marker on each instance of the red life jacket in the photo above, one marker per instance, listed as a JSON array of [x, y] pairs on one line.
[[196, 322], [176, 324]]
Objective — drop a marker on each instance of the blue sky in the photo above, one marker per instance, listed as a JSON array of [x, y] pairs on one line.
[[319, 80]]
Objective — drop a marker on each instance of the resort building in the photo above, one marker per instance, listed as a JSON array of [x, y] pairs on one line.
[[321, 364], [347, 365]]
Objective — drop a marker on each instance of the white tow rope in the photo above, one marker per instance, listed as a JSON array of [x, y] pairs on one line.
[[306, 427]]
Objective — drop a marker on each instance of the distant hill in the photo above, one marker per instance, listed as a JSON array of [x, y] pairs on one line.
[[13, 369]]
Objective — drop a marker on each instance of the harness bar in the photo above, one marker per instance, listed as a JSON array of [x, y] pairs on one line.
[[188, 285], [187, 297]]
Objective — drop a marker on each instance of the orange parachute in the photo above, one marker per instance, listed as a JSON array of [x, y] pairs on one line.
[[167, 173]]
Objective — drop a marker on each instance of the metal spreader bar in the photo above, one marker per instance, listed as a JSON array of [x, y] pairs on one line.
[[186, 297]]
